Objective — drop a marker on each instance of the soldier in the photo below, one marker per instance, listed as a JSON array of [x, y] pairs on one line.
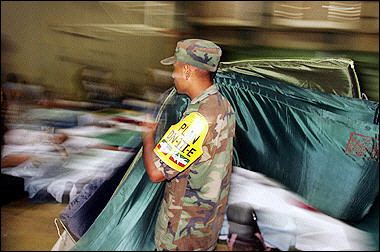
[[194, 157]]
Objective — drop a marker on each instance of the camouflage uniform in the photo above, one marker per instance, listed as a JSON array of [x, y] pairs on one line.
[[194, 203]]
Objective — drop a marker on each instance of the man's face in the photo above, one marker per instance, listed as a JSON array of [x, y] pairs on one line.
[[178, 75]]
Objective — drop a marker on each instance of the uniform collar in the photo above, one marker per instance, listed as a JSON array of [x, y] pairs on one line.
[[209, 91]]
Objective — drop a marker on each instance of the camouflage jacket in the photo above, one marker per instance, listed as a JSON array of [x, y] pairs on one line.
[[194, 203]]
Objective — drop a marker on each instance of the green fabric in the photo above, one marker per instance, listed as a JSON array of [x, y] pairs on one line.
[[299, 137], [127, 222], [370, 223], [118, 138], [295, 135], [366, 63], [330, 75]]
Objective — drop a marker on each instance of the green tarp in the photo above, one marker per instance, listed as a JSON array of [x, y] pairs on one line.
[[127, 222], [322, 146], [309, 140], [330, 75]]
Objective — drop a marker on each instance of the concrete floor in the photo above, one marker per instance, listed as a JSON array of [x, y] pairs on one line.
[[29, 227]]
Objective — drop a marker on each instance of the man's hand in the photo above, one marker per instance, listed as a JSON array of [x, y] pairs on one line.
[[148, 129], [148, 145]]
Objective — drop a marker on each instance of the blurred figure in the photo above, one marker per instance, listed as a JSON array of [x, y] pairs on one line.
[[285, 219], [12, 188], [21, 145], [19, 97]]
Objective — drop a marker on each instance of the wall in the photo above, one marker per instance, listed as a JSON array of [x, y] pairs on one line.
[[246, 29], [39, 54], [260, 29]]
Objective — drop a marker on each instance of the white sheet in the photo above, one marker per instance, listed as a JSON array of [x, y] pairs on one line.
[[285, 225]]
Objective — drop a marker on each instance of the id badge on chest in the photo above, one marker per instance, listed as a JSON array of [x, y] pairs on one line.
[[182, 143]]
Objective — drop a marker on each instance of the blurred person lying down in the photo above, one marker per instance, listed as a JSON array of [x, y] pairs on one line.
[[58, 166], [21, 145]]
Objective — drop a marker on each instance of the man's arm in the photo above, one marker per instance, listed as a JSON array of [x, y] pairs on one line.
[[13, 160], [154, 174]]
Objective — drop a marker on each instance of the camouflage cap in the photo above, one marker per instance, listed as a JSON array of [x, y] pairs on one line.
[[197, 52]]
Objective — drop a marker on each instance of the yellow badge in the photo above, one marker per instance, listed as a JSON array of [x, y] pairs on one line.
[[182, 143]]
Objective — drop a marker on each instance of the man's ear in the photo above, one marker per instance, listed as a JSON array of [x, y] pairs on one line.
[[186, 68]]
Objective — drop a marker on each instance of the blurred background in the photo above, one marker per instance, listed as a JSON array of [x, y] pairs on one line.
[[78, 50], [78, 78]]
